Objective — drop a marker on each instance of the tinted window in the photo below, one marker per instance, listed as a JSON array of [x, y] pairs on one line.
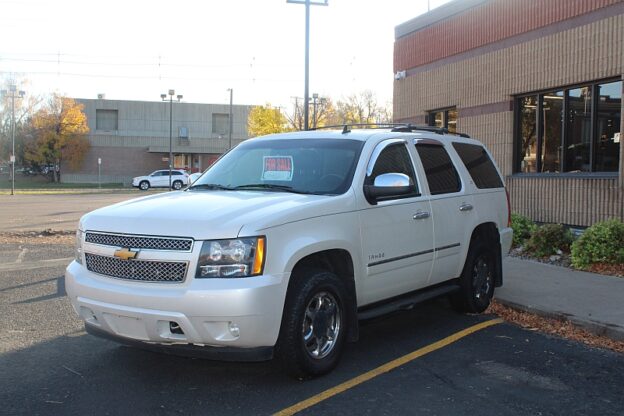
[[479, 165], [441, 174], [393, 159]]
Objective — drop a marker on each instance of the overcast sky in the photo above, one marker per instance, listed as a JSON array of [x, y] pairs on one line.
[[138, 49]]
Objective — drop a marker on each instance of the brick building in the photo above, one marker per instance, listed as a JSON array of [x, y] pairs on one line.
[[131, 138], [539, 82]]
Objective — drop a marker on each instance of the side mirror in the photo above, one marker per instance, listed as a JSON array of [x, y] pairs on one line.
[[388, 185]]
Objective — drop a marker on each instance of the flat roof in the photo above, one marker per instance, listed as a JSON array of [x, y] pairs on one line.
[[438, 14]]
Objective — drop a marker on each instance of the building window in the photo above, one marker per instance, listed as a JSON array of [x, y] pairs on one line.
[[220, 123], [608, 128], [445, 118], [106, 120], [570, 130], [183, 132]]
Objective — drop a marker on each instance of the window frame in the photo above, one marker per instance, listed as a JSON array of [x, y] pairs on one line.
[[517, 138]]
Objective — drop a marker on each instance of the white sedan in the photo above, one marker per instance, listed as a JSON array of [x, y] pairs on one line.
[[160, 179]]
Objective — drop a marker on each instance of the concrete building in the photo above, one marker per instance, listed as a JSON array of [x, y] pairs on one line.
[[131, 138], [539, 82]]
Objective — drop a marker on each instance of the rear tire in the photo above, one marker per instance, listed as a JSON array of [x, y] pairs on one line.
[[144, 185], [314, 324], [477, 279], [177, 185]]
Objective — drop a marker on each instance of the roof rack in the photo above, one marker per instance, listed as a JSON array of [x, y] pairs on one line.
[[395, 127]]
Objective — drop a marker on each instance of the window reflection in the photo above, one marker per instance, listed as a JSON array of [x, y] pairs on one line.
[[552, 108], [528, 134], [578, 130], [608, 126]]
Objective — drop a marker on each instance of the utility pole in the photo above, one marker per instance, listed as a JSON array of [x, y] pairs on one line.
[[13, 95], [306, 94], [314, 98], [230, 121], [171, 93]]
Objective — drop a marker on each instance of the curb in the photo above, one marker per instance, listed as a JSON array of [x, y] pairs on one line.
[[612, 331]]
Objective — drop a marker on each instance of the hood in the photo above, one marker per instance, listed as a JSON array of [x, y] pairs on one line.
[[210, 214]]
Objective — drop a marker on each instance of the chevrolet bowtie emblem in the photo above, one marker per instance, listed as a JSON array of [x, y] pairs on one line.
[[126, 254]]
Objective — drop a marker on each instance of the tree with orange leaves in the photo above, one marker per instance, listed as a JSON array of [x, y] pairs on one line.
[[58, 135]]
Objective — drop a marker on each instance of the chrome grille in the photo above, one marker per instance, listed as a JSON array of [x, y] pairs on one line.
[[144, 242], [140, 270]]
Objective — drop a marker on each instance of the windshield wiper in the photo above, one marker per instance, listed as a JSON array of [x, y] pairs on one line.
[[270, 186], [211, 186]]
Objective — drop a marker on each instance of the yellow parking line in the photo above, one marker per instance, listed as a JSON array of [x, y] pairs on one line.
[[385, 368]]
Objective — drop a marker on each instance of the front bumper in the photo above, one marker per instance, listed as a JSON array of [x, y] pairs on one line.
[[240, 313]]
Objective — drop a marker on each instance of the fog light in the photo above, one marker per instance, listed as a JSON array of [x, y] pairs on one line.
[[234, 330]]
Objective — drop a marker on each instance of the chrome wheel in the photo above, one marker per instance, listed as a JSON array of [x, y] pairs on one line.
[[321, 325], [482, 278]]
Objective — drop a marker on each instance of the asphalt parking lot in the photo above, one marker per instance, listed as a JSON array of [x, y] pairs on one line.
[[51, 366], [56, 212], [429, 360]]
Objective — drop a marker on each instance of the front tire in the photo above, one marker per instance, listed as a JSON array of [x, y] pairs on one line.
[[144, 185], [477, 279], [177, 185], [314, 324]]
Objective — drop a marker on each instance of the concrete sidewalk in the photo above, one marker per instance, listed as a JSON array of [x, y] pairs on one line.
[[592, 301]]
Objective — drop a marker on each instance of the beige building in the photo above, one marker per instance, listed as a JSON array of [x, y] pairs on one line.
[[131, 138], [539, 82]]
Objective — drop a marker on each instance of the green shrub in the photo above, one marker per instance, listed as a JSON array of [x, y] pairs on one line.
[[522, 227], [603, 242], [549, 238]]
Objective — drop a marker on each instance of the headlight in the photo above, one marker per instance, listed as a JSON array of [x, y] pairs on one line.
[[239, 257], [78, 252]]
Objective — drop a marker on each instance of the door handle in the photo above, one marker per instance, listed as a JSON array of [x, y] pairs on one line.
[[465, 207], [421, 215]]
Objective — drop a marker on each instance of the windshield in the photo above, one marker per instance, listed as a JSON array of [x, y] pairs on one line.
[[319, 166]]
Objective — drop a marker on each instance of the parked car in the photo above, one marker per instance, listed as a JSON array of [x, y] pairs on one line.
[[193, 177], [160, 179], [289, 240]]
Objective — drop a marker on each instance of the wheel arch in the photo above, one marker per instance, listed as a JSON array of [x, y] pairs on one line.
[[338, 261], [488, 231]]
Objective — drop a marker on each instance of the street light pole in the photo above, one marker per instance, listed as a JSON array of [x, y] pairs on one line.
[[314, 98], [171, 93], [306, 93], [13, 95], [230, 121]]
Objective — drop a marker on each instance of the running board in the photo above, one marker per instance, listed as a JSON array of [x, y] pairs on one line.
[[405, 302]]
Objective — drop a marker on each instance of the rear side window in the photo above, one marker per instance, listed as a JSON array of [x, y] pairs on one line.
[[479, 165], [439, 169]]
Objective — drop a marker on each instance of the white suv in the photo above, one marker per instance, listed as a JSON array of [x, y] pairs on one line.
[[289, 240], [160, 179]]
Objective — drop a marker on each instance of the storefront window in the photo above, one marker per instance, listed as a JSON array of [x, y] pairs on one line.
[[608, 130], [578, 130], [572, 130], [528, 134]]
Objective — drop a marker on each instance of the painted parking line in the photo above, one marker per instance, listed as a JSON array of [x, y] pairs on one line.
[[12, 267], [385, 368]]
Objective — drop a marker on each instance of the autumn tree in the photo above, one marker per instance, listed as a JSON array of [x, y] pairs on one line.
[[265, 120], [58, 135], [359, 108], [362, 108], [24, 108], [322, 115]]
